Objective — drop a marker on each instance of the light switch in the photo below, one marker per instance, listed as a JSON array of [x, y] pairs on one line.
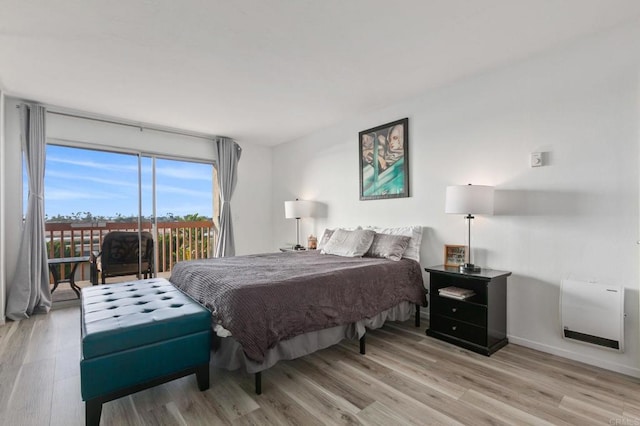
[[536, 159]]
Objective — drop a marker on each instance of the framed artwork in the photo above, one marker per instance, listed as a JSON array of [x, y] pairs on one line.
[[384, 161], [455, 255]]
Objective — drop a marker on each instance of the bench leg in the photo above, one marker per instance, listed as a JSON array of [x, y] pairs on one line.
[[363, 341], [202, 375], [93, 411]]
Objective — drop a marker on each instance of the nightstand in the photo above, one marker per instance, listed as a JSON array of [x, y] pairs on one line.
[[477, 322]]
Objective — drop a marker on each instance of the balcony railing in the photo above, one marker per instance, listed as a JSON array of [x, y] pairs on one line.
[[174, 241]]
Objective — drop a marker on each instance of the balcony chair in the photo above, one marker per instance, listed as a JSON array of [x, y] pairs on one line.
[[119, 256]]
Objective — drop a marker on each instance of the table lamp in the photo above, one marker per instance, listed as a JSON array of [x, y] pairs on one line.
[[469, 200], [298, 209]]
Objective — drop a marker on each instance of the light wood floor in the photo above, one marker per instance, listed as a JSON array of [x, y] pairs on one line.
[[405, 378]]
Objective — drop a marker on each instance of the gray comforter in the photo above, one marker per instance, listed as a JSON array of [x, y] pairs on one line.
[[263, 299]]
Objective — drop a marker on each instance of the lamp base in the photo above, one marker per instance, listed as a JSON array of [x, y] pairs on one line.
[[298, 247], [469, 268]]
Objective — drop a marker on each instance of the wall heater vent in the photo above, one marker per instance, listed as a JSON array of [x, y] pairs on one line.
[[592, 313]]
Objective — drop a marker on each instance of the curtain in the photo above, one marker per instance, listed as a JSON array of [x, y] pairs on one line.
[[227, 155], [29, 290]]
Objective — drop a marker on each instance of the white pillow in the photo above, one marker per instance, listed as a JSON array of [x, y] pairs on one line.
[[325, 238], [415, 232], [327, 234], [349, 243]]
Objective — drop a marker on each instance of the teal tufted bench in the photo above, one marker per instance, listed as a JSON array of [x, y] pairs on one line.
[[137, 335]]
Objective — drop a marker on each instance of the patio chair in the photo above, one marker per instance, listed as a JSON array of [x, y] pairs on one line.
[[119, 256]]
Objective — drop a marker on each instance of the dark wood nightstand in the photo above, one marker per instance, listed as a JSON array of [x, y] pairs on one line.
[[477, 322]]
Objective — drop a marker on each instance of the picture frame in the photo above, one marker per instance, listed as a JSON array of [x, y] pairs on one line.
[[385, 174], [455, 255]]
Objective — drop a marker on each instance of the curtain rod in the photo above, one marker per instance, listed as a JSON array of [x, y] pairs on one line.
[[136, 126]]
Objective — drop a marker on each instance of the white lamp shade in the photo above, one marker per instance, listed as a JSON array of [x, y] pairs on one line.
[[469, 199], [298, 208]]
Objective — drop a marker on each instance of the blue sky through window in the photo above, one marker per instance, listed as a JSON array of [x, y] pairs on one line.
[[106, 184]]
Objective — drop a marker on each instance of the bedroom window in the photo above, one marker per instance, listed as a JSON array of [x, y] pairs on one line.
[[90, 192]]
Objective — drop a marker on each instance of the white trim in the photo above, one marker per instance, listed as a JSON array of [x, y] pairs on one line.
[[3, 262], [154, 210], [620, 368], [120, 150]]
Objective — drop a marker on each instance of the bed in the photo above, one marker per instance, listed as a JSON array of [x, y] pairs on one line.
[[275, 306]]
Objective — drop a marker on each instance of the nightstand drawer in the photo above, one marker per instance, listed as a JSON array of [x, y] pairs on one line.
[[461, 310], [460, 329]]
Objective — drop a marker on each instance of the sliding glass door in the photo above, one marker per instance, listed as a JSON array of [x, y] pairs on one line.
[[184, 211], [91, 193]]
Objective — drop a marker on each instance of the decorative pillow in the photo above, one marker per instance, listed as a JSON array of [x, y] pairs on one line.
[[414, 232], [325, 238], [349, 243], [388, 246], [328, 233]]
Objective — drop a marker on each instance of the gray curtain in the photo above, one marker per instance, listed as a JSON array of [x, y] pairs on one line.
[[29, 291], [227, 156]]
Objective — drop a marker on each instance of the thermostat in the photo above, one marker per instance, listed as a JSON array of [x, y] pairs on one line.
[[536, 159]]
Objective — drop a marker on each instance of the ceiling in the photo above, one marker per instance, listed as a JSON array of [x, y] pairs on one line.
[[270, 71]]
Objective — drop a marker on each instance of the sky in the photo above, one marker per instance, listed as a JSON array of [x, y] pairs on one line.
[[106, 184]]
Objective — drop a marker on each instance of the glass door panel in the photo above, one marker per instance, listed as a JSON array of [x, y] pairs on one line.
[[184, 211], [88, 193]]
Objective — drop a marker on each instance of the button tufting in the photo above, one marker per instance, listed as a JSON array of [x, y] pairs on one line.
[[175, 305], [151, 347]]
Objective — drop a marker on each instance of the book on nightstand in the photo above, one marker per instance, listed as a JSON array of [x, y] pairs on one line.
[[456, 293]]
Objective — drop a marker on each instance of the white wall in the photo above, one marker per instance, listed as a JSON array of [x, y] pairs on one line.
[[12, 186], [251, 203], [578, 216]]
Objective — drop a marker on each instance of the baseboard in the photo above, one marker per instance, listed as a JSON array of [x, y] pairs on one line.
[[619, 368]]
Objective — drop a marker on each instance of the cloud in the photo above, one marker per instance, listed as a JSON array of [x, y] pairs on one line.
[[57, 194], [94, 165], [187, 172], [76, 179], [107, 183], [168, 189]]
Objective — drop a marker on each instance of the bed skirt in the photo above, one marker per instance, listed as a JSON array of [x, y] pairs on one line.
[[228, 353]]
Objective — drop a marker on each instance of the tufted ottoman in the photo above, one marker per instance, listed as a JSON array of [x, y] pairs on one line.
[[137, 335]]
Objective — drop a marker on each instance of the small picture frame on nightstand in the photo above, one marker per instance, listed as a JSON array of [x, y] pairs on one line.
[[455, 255]]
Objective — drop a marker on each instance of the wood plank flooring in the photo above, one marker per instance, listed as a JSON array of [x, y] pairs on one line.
[[405, 378]]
